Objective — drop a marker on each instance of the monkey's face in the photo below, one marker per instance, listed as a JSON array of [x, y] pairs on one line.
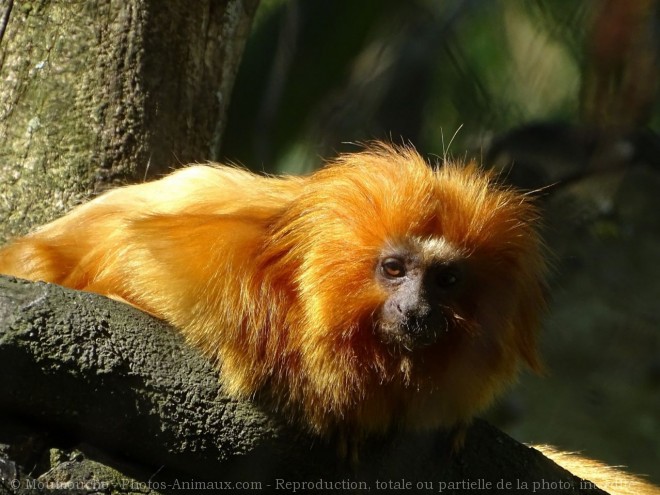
[[415, 293], [423, 280]]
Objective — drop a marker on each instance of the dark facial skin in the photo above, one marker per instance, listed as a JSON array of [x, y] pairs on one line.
[[420, 292]]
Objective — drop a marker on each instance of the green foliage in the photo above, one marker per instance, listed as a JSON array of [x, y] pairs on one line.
[[317, 75]]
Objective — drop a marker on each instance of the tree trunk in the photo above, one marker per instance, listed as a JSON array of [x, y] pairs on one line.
[[99, 92]]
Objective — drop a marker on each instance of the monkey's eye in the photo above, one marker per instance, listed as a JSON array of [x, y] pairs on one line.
[[393, 268], [447, 278]]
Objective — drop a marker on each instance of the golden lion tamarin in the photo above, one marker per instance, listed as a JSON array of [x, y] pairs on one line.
[[374, 292]]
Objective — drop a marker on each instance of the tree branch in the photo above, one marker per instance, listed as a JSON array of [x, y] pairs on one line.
[[110, 376]]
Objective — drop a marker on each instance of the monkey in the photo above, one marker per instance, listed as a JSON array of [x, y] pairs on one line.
[[378, 292], [374, 292]]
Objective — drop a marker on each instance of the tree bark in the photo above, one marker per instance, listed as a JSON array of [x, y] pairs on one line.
[[99, 92], [109, 376]]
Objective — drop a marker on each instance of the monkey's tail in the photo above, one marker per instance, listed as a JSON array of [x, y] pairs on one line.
[[609, 478]]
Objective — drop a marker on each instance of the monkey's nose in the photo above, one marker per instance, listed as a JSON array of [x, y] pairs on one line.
[[425, 328]]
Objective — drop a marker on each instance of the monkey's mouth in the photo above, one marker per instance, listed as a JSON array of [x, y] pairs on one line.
[[413, 332]]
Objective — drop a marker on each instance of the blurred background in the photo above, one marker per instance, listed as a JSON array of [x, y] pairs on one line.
[[558, 95]]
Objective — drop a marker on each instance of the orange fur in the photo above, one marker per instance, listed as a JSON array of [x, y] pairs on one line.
[[273, 278], [608, 478]]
